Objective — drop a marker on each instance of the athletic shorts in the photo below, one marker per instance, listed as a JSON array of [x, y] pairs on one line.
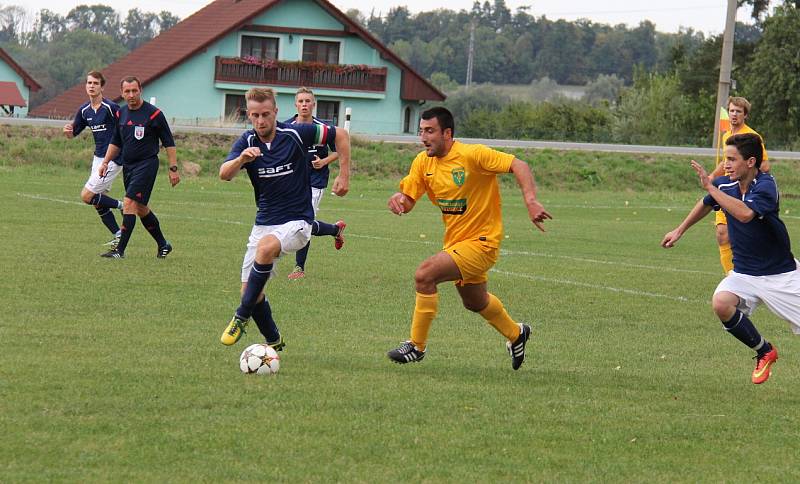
[[293, 236], [316, 197], [474, 258], [97, 184], [779, 292], [139, 179], [719, 218]]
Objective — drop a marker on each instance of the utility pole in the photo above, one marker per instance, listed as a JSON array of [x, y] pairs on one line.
[[471, 53], [724, 89]]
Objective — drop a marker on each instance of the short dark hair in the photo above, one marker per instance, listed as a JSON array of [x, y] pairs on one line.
[[130, 79], [749, 146], [443, 115], [97, 75]]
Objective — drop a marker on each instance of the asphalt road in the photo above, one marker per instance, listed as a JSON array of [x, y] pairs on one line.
[[498, 143]]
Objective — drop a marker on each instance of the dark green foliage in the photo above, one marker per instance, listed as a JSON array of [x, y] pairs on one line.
[[88, 37], [516, 48], [772, 81]]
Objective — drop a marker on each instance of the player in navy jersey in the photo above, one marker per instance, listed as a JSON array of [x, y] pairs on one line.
[[764, 268], [319, 158], [275, 158], [99, 115], [139, 130]]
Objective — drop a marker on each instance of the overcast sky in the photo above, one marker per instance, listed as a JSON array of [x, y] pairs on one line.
[[707, 16]]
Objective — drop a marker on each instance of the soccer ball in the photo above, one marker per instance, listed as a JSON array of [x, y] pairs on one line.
[[260, 359]]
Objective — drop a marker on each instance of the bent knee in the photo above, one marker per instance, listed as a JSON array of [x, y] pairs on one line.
[[723, 307], [474, 306], [87, 196]]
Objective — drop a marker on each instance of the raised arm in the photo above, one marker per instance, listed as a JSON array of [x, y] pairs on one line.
[[736, 208], [341, 185], [230, 168], [524, 176]]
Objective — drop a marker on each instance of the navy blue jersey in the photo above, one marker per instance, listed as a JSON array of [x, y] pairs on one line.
[[761, 246], [138, 133], [319, 178], [280, 176], [101, 122]]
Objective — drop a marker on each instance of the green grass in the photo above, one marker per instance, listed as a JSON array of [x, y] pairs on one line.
[[111, 370]]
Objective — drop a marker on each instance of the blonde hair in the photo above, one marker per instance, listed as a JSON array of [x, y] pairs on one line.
[[304, 90], [741, 102], [260, 94]]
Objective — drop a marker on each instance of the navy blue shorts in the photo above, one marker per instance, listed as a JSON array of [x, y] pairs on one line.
[[139, 178]]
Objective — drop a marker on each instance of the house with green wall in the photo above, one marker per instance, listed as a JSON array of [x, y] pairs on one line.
[[198, 71], [15, 87]]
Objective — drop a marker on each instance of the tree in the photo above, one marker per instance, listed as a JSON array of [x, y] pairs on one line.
[[604, 89], [138, 28], [166, 20], [13, 23], [771, 80], [48, 26], [78, 52], [99, 19], [356, 16], [443, 82]]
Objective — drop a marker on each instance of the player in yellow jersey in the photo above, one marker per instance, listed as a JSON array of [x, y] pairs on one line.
[[461, 180], [738, 110]]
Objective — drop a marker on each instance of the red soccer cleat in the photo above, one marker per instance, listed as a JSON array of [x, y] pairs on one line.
[[764, 365], [338, 241]]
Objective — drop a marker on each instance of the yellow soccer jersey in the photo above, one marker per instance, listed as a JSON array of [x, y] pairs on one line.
[[747, 129], [463, 184]]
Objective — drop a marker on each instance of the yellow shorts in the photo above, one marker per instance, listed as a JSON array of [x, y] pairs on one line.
[[474, 259], [719, 218]]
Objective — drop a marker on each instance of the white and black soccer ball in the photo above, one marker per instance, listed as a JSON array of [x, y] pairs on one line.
[[260, 359]]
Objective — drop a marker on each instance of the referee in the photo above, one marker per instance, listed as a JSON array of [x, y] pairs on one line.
[[139, 128]]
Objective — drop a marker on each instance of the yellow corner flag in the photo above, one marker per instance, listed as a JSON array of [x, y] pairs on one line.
[[724, 120]]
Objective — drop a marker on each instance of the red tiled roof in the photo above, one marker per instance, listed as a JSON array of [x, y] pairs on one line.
[[209, 24], [26, 78], [10, 95]]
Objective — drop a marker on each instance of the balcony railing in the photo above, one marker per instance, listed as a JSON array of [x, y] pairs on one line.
[[309, 74]]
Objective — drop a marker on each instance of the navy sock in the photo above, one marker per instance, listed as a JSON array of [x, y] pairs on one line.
[[101, 200], [108, 218], [743, 329], [128, 223], [321, 228], [301, 255], [255, 285], [151, 224], [262, 315]]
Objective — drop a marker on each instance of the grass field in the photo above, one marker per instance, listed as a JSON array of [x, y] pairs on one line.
[[111, 370]]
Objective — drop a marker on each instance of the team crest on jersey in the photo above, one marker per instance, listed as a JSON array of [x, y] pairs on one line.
[[459, 175], [138, 132]]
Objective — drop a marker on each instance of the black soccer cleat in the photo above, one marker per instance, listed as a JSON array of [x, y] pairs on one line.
[[517, 348], [113, 254], [164, 251], [277, 345], [406, 353]]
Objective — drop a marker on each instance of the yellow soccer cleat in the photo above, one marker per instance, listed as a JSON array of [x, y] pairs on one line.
[[234, 331]]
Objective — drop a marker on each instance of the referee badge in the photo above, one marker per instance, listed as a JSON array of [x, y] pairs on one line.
[[138, 132]]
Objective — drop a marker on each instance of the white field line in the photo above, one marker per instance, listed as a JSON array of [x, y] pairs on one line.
[[601, 287], [607, 262], [632, 292]]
